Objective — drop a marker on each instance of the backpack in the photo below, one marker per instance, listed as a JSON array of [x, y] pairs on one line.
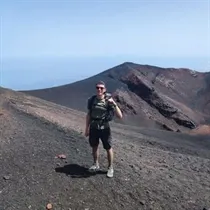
[[110, 111]]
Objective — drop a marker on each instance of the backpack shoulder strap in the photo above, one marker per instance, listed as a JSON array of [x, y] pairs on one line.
[[90, 102], [110, 112]]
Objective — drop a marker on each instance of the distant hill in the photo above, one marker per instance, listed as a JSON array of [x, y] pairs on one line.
[[175, 99]]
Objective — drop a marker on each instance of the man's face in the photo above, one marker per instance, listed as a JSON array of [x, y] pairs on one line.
[[100, 88]]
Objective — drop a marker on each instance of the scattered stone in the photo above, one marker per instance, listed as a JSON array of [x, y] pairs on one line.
[[165, 166], [6, 177], [49, 206], [151, 143], [152, 202], [159, 161], [192, 201], [195, 169], [62, 156], [131, 166], [142, 202]]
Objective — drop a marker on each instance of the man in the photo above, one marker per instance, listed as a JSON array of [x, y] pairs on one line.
[[97, 125]]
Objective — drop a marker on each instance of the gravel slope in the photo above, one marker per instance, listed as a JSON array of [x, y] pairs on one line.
[[153, 170]]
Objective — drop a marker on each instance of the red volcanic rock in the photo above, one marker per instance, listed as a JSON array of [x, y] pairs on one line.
[[168, 98]]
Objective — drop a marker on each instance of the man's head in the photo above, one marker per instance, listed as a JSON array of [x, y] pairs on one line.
[[100, 88]]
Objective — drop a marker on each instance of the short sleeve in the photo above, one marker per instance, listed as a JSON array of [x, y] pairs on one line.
[[88, 103]]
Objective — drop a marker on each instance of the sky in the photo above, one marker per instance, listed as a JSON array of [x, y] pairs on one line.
[[67, 37]]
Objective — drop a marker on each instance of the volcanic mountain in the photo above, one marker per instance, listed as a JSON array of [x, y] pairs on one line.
[[175, 99], [44, 159]]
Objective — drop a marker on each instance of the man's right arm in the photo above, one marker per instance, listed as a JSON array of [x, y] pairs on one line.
[[87, 120], [87, 125]]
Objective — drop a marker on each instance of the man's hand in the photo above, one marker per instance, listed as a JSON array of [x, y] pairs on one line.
[[117, 109], [111, 100], [87, 124], [86, 132]]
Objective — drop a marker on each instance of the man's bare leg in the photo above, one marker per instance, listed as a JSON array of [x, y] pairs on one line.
[[110, 157], [95, 153]]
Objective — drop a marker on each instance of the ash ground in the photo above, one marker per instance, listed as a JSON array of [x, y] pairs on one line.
[[153, 169]]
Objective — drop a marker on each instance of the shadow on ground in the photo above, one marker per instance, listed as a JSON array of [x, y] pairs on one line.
[[77, 171]]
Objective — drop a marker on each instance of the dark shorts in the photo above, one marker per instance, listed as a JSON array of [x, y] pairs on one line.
[[103, 134]]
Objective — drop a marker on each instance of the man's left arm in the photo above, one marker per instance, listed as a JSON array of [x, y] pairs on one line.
[[116, 107]]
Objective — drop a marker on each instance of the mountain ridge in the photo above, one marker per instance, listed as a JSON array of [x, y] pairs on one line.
[[161, 97]]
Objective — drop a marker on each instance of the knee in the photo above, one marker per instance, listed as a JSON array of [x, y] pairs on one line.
[[95, 148], [108, 148]]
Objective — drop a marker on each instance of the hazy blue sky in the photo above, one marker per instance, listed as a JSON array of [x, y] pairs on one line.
[[70, 36]]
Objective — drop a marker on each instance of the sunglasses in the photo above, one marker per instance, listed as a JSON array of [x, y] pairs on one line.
[[99, 88]]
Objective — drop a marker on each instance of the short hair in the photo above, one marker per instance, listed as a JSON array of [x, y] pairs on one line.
[[101, 83]]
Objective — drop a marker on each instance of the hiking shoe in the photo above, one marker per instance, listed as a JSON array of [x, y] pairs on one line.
[[110, 172], [94, 167]]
